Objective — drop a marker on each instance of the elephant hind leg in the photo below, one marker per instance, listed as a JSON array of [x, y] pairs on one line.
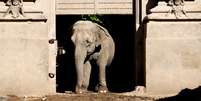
[[102, 62], [102, 86], [86, 75]]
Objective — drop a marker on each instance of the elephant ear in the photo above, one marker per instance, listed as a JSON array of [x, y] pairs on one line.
[[99, 27], [71, 31]]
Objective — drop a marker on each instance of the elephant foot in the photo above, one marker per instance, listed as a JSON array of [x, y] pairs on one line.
[[102, 89], [80, 90]]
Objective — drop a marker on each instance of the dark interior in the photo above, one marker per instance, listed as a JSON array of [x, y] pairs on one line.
[[121, 73]]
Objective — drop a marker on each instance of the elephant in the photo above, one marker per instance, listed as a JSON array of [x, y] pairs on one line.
[[92, 42]]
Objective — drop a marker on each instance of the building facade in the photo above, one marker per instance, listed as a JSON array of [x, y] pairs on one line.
[[162, 49]]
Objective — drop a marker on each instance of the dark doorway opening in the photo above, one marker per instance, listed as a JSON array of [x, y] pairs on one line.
[[121, 73]]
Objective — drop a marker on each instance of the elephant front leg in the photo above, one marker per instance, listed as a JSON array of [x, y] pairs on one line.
[[80, 55], [86, 75]]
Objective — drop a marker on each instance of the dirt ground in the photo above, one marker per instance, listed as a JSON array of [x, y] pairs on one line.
[[78, 97]]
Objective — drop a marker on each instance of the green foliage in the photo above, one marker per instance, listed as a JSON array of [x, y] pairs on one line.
[[93, 18]]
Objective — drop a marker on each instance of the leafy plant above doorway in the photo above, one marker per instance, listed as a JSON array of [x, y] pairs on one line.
[[93, 18]]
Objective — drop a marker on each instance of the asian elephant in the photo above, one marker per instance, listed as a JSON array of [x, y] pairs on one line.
[[92, 42]]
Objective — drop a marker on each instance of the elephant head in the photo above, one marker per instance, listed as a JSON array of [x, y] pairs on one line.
[[91, 41]]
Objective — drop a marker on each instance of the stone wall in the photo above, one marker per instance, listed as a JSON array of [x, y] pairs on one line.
[[26, 57], [94, 7], [173, 50]]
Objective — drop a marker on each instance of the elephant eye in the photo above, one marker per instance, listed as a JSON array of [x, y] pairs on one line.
[[88, 43]]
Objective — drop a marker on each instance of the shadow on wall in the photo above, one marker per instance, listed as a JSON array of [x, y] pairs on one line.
[[186, 95], [140, 48]]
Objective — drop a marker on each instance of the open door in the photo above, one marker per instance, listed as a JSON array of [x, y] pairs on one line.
[[121, 73]]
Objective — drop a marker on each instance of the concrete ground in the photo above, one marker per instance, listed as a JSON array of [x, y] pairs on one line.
[[184, 95], [79, 97]]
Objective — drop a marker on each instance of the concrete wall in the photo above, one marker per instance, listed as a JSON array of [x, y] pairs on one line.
[[173, 49], [172, 56], [94, 6], [26, 57]]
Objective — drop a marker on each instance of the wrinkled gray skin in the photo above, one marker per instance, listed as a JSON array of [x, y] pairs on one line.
[[91, 41]]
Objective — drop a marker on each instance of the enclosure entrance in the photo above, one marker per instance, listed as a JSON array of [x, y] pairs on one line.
[[121, 73]]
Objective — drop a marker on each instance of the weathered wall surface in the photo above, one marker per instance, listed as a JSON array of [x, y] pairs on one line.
[[94, 6], [26, 57], [173, 56], [23, 53], [173, 46]]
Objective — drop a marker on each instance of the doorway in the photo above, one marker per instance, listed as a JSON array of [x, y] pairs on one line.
[[121, 73]]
